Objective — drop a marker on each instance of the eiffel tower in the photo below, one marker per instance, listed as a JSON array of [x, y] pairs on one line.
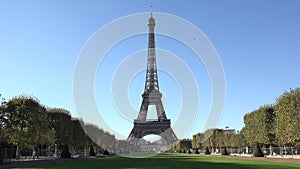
[[152, 96]]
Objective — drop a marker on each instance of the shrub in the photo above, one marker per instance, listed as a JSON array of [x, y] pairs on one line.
[[207, 151], [65, 152], [257, 151], [224, 151], [92, 152], [105, 152]]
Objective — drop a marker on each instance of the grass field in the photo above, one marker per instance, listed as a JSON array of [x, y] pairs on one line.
[[170, 161]]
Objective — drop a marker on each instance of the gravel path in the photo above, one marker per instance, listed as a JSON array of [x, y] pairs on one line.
[[27, 164], [283, 160]]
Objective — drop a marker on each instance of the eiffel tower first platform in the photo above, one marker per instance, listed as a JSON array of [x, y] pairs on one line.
[[152, 96]]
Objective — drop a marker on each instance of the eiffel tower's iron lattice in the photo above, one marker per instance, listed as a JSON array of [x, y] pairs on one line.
[[152, 96]]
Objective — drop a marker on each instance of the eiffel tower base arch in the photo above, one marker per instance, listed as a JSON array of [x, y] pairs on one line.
[[144, 128]]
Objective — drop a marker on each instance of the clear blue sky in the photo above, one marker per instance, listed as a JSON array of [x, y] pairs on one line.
[[257, 41]]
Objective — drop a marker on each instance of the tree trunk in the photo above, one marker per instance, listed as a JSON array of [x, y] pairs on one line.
[[33, 153], [56, 151], [17, 152]]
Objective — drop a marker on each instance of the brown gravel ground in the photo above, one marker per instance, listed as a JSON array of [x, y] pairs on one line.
[[283, 160], [27, 164]]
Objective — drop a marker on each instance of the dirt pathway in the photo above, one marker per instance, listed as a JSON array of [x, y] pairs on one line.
[[27, 164], [283, 160]]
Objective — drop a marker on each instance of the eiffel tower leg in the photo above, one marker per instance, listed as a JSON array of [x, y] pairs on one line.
[[169, 136], [133, 136], [143, 111], [133, 140], [161, 115]]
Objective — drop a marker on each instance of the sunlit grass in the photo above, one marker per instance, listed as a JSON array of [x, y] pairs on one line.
[[181, 161]]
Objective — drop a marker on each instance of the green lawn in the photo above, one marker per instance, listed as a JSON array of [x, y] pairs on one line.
[[170, 161]]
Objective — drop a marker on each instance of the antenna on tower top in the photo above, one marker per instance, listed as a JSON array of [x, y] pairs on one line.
[[151, 11]]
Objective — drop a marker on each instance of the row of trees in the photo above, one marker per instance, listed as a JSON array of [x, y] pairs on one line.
[[277, 125], [183, 146], [25, 123], [218, 139], [260, 126]]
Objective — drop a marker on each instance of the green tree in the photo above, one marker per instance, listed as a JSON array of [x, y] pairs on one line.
[[60, 121], [197, 139], [219, 138], [26, 122], [231, 138], [260, 126], [103, 139], [207, 140], [78, 135], [109, 142], [288, 117], [214, 138], [96, 135], [240, 140], [183, 145], [3, 121]]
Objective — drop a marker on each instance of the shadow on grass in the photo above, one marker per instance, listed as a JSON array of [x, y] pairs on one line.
[[171, 161]]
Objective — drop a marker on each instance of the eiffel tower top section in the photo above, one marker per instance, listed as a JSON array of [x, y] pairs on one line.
[[151, 75], [151, 22]]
